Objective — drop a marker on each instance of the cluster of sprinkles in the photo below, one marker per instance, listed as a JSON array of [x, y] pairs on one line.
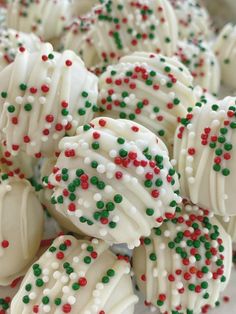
[[129, 26], [96, 193], [11, 40], [219, 140], [32, 16], [193, 19], [209, 129], [4, 304], [146, 88], [195, 243], [202, 63], [70, 262], [58, 116]]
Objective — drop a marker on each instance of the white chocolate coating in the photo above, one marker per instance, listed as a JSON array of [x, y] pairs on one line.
[[21, 228], [193, 19], [46, 18], [184, 265], [225, 49], [44, 95], [202, 63], [229, 223], [114, 181], [205, 153], [122, 27], [156, 92], [45, 196], [11, 40], [104, 283]]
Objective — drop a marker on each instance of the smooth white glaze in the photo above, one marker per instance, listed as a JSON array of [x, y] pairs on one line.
[[98, 47], [21, 216], [94, 294], [56, 90], [117, 180], [159, 114], [196, 159], [161, 271]]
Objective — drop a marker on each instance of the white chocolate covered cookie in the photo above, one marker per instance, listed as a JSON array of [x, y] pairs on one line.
[[114, 181], [11, 41], [122, 27], [21, 228], [225, 49], [77, 276], [46, 18], [150, 89], [202, 62], [186, 263], [205, 152], [44, 96], [193, 19]]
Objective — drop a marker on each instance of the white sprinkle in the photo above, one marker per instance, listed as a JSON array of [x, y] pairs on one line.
[[97, 197], [32, 295], [56, 275], [116, 218], [87, 160], [108, 189], [42, 100], [64, 279], [71, 300], [166, 233], [65, 289], [133, 210], [19, 100], [111, 167], [155, 272], [30, 99], [45, 278], [103, 232], [113, 153], [76, 259], [99, 286], [47, 308], [73, 276]]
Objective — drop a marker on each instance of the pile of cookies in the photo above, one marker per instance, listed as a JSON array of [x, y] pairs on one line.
[[112, 124]]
